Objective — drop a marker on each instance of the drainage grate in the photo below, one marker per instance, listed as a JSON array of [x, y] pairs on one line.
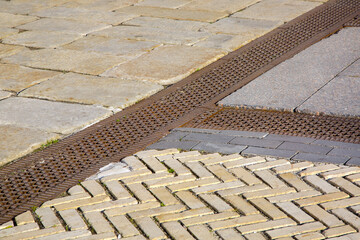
[[343, 129], [43, 175]]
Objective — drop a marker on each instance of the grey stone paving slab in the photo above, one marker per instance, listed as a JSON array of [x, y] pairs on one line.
[[353, 70], [353, 161], [228, 6], [341, 96], [289, 138], [185, 145], [4, 94], [49, 116], [13, 20], [211, 138], [256, 142], [166, 64], [16, 78], [268, 152], [337, 144], [17, 141], [197, 130], [345, 152], [112, 92], [41, 39], [175, 136], [307, 148], [219, 147], [243, 133], [66, 60], [164, 4], [63, 25], [321, 158], [100, 5]]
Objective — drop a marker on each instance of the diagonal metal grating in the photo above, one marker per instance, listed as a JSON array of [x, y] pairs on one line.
[[40, 176]]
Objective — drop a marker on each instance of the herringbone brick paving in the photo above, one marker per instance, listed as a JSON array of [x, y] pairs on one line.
[[188, 195]]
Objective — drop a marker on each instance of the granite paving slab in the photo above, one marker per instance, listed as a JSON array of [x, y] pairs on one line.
[[353, 70], [108, 92], [13, 20]]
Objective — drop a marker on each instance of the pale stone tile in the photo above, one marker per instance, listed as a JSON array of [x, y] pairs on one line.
[[199, 170], [318, 169], [274, 224], [164, 196], [309, 236], [73, 219], [268, 192], [270, 179], [202, 232], [293, 196], [13, 20], [230, 234], [241, 204], [243, 220], [209, 218], [268, 208], [175, 165], [321, 199], [100, 5], [5, 32], [228, 6], [94, 188], [163, 3], [340, 172], [150, 228], [132, 208], [241, 162], [98, 222], [294, 230], [124, 226], [295, 182], [293, 167], [295, 212], [153, 212], [18, 141], [47, 217], [177, 231], [38, 233], [9, 50], [347, 217], [167, 64], [4, 94], [222, 173], [66, 60], [102, 202], [7, 225], [78, 234], [216, 202], [321, 184], [13, 231], [24, 218], [117, 189], [141, 192], [321, 215], [346, 186], [255, 236], [337, 231], [190, 200], [102, 236], [169, 181], [112, 92], [184, 215], [245, 189], [344, 203], [267, 165]]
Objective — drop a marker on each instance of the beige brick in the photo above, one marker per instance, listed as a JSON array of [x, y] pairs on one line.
[[293, 196], [193, 184], [72, 219], [77, 189], [202, 232], [123, 226], [296, 213], [346, 186], [169, 181], [194, 156], [321, 215], [47, 217], [347, 217], [293, 167], [341, 203], [78, 234], [354, 177], [164, 196], [94, 188], [7, 225], [318, 169], [176, 231], [229, 234], [258, 227], [295, 182], [268, 192], [267, 165], [294, 230], [321, 184], [141, 192], [337, 231], [270, 179], [132, 208], [13, 231], [255, 236], [241, 162], [268, 208], [98, 222], [199, 170], [190, 200], [150, 228], [177, 166], [184, 215], [125, 175], [158, 211], [221, 173], [244, 220], [245, 176], [154, 164], [117, 190], [147, 177], [35, 234], [24, 218], [102, 205], [101, 236], [218, 187], [66, 199], [244, 189], [155, 153], [209, 218], [216, 202], [221, 159], [355, 209], [321, 199], [241, 205], [134, 163], [165, 157], [340, 172], [310, 236]]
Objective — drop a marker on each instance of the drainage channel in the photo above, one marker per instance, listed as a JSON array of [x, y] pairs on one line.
[[43, 175]]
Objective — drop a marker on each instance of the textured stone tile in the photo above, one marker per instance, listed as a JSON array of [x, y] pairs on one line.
[[321, 158], [13, 20], [49, 116], [8, 50], [167, 64], [66, 60], [18, 141], [266, 225], [293, 230], [100, 5], [63, 25], [185, 145], [41, 39], [351, 71], [16, 78], [4, 94], [71, 87], [5, 32], [337, 144], [345, 152], [229, 234], [268, 152], [179, 14], [227, 6], [165, 4]]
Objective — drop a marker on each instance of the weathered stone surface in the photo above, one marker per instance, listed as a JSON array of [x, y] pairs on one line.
[[65, 60], [25, 7], [228, 6], [352, 71], [16, 78], [8, 50], [170, 36], [63, 25], [164, 4], [4, 95], [277, 10], [49, 116], [17, 141], [12, 20], [179, 14], [41, 39], [112, 46], [86, 89], [167, 64], [100, 5], [226, 42], [4, 32]]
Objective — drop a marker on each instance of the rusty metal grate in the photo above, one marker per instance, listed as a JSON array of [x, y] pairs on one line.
[[343, 129], [43, 175]]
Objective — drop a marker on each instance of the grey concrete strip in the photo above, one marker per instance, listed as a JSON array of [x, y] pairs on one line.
[[353, 161], [345, 152], [337, 144], [186, 145], [214, 138], [305, 147], [219, 147], [289, 138], [321, 158], [268, 152], [256, 142]]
